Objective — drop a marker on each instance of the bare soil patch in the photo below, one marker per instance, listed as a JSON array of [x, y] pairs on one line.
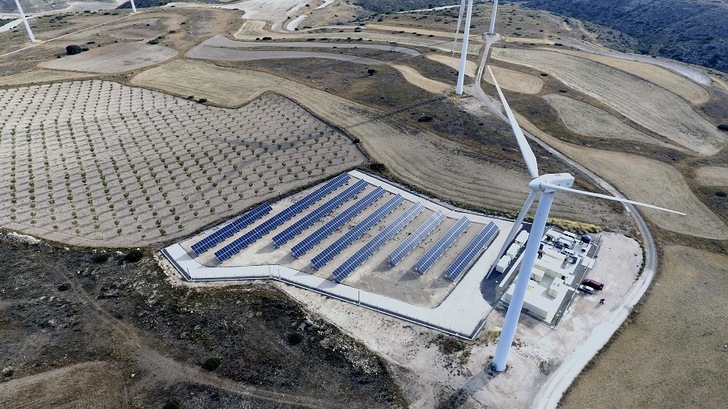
[[114, 58], [589, 120], [712, 176], [648, 105], [515, 81], [672, 352], [84, 385], [118, 166]]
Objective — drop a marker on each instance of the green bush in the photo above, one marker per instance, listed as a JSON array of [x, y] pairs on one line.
[[134, 256], [295, 338], [172, 404], [64, 287], [100, 258], [212, 363]]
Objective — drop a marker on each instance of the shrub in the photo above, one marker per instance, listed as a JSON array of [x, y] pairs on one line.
[[295, 338], [100, 258], [64, 287], [212, 363], [377, 167], [172, 404], [73, 49], [723, 127], [134, 256]]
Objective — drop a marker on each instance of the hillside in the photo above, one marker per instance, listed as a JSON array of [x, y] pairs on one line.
[[689, 31]]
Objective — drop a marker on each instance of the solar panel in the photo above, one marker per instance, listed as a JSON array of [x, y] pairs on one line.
[[374, 244], [437, 250], [416, 237], [357, 231], [466, 256], [334, 224], [233, 227], [296, 228], [252, 236]]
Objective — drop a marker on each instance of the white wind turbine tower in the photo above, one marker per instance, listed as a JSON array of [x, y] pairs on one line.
[[464, 50], [457, 29], [25, 21], [491, 30], [133, 7], [547, 185]]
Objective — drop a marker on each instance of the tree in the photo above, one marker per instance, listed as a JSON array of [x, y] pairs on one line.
[[73, 49]]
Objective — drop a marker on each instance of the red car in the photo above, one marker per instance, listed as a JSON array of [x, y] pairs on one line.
[[593, 284]]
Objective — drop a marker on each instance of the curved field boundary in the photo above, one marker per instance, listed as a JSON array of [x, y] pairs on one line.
[[591, 121], [516, 81], [414, 77], [662, 77], [202, 52], [642, 102], [415, 156], [254, 29], [645, 180], [220, 41], [712, 176]]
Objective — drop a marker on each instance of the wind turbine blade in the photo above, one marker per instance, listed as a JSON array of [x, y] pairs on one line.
[[516, 226], [457, 29], [608, 197], [526, 151]]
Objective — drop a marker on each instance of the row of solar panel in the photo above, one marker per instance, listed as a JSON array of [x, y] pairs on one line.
[[374, 244], [355, 232], [252, 236], [334, 224], [415, 238], [466, 256], [296, 228], [444, 243], [233, 227]]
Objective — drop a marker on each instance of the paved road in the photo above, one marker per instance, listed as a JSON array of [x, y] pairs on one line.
[[551, 392]]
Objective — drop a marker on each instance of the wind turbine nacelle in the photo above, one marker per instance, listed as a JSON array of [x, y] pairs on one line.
[[558, 179]]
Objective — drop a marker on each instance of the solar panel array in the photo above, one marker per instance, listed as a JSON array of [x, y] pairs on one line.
[[437, 250], [252, 236], [227, 231], [415, 238], [334, 224], [357, 231], [296, 228], [374, 244], [467, 255]]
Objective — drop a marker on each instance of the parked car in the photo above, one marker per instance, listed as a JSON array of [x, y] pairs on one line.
[[586, 289], [593, 284]]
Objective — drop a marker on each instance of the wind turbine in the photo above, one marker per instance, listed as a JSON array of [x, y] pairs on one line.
[[25, 21], [457, 29], [133, 7], [547, 185], [464, 50], [491, 30]]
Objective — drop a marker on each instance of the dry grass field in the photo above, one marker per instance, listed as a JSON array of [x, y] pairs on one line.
[[647, 180], [673, 353], [648, 105], [84, 385], [114, 58], [113, 165], [591, 121], [414, 77], [410, 153], [688, 90], [712, 176], [515, 81]]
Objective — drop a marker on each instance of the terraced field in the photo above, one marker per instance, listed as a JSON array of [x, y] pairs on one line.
[[107, 164]]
